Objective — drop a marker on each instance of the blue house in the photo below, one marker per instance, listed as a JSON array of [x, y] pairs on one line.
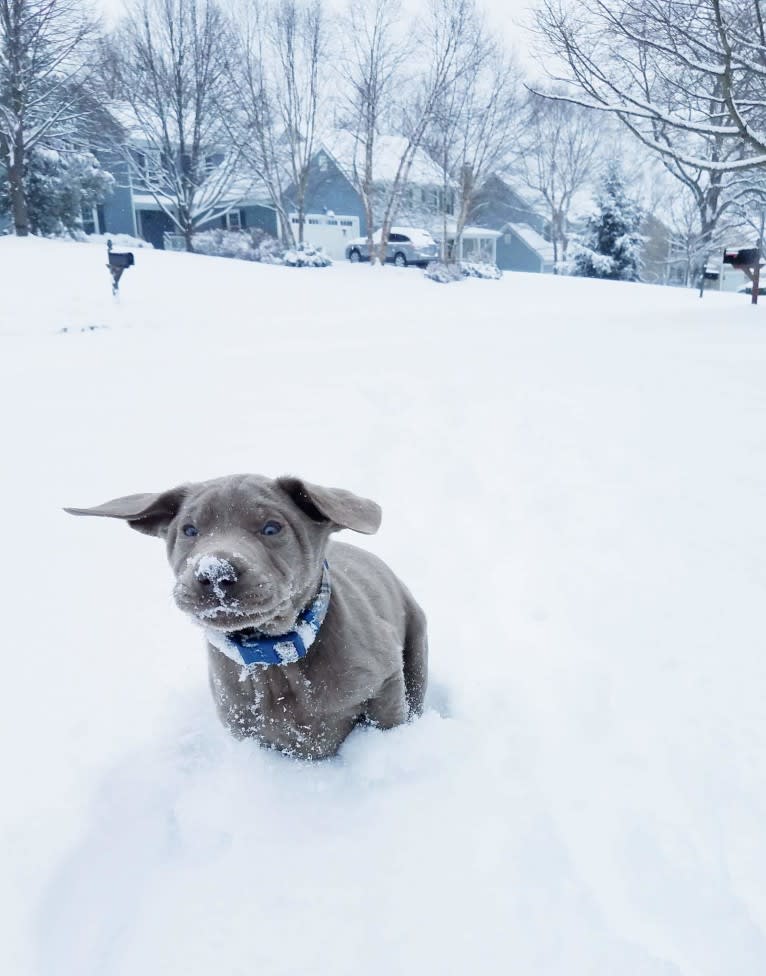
[[502, 223], [521, 248], [497, 203], [334, 211], [522, 245]]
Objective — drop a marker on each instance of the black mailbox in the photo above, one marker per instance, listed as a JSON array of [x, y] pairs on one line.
[[118, 261], [121, 259], [744, 257]]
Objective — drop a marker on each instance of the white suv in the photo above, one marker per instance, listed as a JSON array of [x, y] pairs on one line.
[[406, 245]]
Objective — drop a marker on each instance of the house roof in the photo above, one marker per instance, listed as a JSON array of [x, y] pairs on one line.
[[510, 182], [534, 241], [126, 118], [470, 231], [241, 193], [348, 153]]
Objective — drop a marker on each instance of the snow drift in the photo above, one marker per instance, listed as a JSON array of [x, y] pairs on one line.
[[572, 477]]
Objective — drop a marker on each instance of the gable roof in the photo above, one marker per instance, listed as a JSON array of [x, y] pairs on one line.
[[536, 242], [348, 153], [509, 186]]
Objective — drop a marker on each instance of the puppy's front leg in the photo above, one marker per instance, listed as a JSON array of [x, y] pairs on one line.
[[389, 706]]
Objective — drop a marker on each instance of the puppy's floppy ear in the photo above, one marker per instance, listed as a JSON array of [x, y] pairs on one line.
[[149, 512], [344, 509]]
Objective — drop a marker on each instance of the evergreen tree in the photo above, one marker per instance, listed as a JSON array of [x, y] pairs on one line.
[[611, 247], [59, 187]]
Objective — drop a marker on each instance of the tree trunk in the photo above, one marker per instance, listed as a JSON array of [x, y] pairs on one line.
[[301, 222], [188, 232], [369, 217], [385, 230], [287, 229], [17, 192], [368, 190]]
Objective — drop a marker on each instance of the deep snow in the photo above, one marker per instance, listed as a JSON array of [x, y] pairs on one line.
[[572, 479]]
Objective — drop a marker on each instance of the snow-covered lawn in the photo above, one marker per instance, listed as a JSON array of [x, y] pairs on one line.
[[573, 480]]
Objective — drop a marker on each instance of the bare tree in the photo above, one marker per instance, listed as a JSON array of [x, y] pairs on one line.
[[373, 52], [254, 122], [167, 61], [682, 77], [440, 44], [558, 151], [691, 243], [475, 126], [299, 43], [278, 67], [44, 57]]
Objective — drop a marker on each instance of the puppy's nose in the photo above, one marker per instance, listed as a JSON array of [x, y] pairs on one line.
[[216, 572]]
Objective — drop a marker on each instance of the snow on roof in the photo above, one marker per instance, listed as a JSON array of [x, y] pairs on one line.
[[470, 231], [348, 152], [124, 115], [243, 191], [533, 240]]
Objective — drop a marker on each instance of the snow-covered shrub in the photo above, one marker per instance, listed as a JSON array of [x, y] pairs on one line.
[[121, 242], [445, 273], [246, 245], [255, 244], [59, 187], [305, 256], [565, 267], [611, 245], [272, 251], [481, 269]]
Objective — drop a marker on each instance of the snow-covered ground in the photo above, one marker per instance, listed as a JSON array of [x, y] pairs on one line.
[[573, 478]]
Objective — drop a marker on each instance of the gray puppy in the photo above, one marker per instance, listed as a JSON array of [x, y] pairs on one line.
[[306, 637]]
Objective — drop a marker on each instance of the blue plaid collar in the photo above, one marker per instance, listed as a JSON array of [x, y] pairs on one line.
[[287, 648]]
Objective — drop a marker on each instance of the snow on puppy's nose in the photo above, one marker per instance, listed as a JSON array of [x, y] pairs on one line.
[[217, 572]]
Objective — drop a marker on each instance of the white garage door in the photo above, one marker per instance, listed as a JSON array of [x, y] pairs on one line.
[[328, 231]]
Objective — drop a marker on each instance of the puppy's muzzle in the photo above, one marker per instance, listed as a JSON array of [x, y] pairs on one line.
[[227, 580], [219, 576]]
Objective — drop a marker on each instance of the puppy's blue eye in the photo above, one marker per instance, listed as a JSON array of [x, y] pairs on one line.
[[271, 528], [189, 530]]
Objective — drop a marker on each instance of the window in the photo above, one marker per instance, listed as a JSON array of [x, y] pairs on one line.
[[90, 220], [322, 162], [234, 220], [347, 223], [397, 239], [150, 163]]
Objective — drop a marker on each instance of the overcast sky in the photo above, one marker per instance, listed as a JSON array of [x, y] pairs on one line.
[[507, 15]]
